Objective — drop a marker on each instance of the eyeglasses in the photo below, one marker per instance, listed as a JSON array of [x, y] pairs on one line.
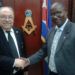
[[7, 17]]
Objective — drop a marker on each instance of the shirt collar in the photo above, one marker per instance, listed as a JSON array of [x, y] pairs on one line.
[[11, 30], [62, 27]]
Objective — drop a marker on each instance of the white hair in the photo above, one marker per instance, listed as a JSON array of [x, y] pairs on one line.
[[6, 8], [58, 5]]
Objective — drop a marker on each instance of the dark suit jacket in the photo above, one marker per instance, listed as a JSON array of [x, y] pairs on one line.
[[6, 57], [65, 52]]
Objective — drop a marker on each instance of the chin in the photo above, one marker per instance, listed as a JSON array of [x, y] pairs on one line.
[[7, 29]]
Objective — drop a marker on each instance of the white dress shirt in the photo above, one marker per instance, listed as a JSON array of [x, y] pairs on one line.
[[58, 33], [14, 38]]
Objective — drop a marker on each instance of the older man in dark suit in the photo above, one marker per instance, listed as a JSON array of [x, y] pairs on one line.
[[11, 44], [60, 45]]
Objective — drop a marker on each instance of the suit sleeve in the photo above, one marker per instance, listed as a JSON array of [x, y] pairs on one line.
[[38, 55], [41, 53], [6, 63]]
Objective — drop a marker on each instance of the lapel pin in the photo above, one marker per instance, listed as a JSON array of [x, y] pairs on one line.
[[17, 32], [64, 37]]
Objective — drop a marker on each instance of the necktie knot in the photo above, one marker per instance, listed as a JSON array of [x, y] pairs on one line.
[[8, 32]]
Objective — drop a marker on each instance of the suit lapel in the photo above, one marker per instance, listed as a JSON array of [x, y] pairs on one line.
[[3, 38], [64, 36], [4, 42], [51, 37], [17, 34]]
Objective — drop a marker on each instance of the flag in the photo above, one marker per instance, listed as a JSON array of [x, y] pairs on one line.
[[46, 26], [46, 19]]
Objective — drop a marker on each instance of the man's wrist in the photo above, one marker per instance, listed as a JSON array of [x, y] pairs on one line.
[[28, 61]]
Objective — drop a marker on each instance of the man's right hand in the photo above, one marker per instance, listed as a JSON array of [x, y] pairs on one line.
[[19, 63]]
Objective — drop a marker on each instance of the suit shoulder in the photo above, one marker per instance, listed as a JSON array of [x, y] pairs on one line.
[[73, 25], [72, 31], [17, 29]]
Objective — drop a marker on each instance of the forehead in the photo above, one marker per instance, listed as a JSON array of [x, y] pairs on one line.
[[56, 10], [5, 11], [57, 7]]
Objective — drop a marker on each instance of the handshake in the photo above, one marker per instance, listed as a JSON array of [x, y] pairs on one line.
[[21, 63]]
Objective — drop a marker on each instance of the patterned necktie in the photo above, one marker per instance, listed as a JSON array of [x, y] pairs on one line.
[[12, 45]]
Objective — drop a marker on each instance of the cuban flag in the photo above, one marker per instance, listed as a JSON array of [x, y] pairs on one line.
[[46, 19], [46, 26]]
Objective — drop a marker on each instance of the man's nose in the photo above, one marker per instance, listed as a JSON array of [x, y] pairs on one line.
[[54, 17], [7, 18]]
